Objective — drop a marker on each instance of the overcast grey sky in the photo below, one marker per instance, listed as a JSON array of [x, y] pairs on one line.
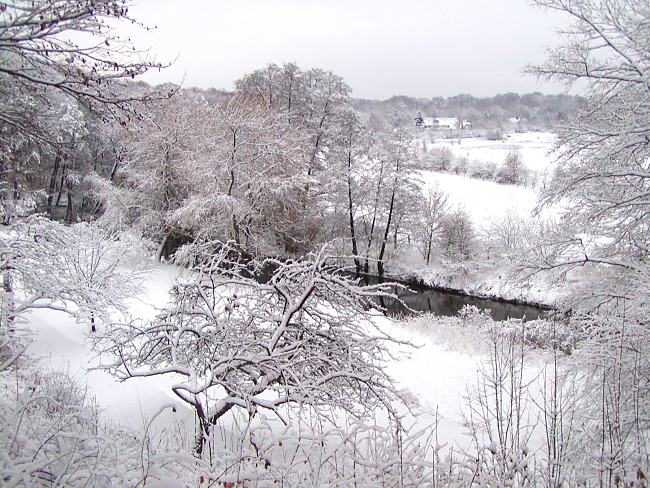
[[381, 48]]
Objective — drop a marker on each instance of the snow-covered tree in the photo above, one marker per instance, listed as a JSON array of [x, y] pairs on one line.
[[160, 157], [512, 171], [432, 213], [249, 187], [400, 184], [59, 61], [303, 338], [602, 188], [37, 53], [73, 269], [457, 234]]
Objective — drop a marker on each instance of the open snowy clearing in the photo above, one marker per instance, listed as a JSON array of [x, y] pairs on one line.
[[63, 345], [535, 148], [485, 201]]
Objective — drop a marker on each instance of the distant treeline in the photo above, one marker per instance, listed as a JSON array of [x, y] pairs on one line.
[[534, 111]]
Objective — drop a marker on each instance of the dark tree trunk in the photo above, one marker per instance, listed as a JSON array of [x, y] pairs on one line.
[[69, 209], [53, 177], [61, 186], [382, 249], [161, 247], [353, 236], [429, 242]]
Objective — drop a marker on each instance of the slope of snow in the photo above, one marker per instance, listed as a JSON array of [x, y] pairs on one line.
[[438, 372], [485, 201]]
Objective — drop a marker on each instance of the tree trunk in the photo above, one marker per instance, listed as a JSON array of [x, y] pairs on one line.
[[161, 248], [58, 196], [353, 237], [69, 209], [8, 285], [366, 265], [382, 249], [52, 188]]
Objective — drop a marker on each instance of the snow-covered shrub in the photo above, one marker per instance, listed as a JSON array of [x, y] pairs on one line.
[[494, 135], [441, 159], [457, 236], [302, 337], [78, 269], [309, 451], [513, 171], [52, 434]]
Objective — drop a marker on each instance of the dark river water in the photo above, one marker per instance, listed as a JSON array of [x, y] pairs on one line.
[[419, 298], [441, 302]]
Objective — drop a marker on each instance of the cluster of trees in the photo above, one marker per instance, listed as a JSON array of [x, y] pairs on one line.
[[277, 166], [54, 90], [602, 185], [512, 171], [534, 111]]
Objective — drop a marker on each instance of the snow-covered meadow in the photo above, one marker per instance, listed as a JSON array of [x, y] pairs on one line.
[[488, 201], [443, 366]]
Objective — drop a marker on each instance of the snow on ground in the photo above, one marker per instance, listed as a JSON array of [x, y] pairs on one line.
[[535, 148], [63, 345], [438, 372], [485, 201], [444, 368]]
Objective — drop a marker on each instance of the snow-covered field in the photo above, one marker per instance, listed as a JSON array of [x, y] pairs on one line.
[[534, 147], [487, 200], [64, 346], [484, 201]]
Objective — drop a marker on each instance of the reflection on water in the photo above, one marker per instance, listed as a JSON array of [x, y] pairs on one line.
[[439, 302]]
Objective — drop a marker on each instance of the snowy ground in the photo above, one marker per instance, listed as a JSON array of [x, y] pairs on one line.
[[63, 345], [438, 372], [487, 200], [534, 147]]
